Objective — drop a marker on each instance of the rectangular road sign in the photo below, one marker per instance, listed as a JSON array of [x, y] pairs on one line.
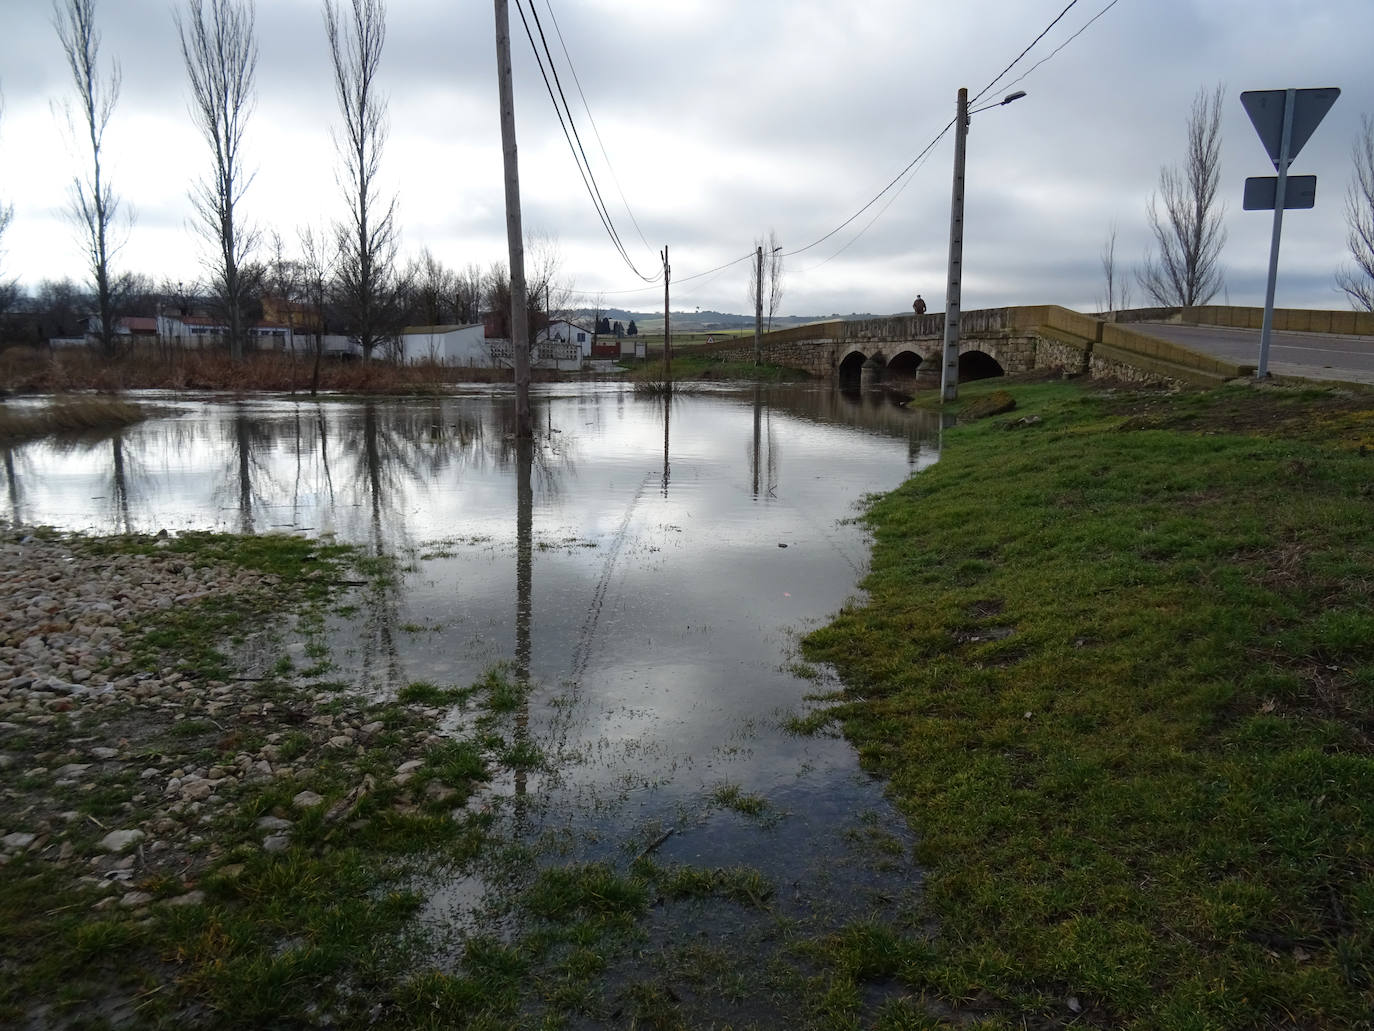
[[1265, 108], [1300, 191]]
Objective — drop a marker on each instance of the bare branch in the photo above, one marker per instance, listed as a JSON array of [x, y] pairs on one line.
[[94, 207], [220, 50], [367, 238], [1358, 281], [1185, 217]]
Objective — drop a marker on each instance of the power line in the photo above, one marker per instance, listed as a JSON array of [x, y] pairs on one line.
[[916, 160], [597, 132], [926, 150], [1062, 45], [534, 10], [1037, 39], [583, 168], [906, 173]]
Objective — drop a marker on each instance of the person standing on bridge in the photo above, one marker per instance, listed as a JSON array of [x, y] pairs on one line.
[[918, 305]]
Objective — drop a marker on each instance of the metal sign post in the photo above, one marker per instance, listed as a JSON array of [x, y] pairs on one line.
[[1285, 120]]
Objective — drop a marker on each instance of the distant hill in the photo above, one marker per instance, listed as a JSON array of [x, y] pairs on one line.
[[706, 321]]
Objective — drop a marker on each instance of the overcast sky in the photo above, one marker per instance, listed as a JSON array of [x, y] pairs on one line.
[[724, 119]]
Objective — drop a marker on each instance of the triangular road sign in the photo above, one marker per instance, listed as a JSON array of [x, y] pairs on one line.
[[1265, 108]]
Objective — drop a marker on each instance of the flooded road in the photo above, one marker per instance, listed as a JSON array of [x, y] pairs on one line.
[[648, 566]]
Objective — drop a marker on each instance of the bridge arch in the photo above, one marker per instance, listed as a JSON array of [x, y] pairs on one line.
[[905, 363], [851, 366], [975, 364]]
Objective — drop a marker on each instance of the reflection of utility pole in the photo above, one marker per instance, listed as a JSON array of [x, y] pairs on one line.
[[519, 315], [667, 413], [524, 589], [758, 425]]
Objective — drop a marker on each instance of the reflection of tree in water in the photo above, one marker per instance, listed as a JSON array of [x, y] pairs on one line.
[[390, 450], [763, 456], [15, 460], [247, 484], [121, 477]]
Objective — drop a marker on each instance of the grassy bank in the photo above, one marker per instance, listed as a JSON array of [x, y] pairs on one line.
[[65, 415], [708, 367], [1118, 665]]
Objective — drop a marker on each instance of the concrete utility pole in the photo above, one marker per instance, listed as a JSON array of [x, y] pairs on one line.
[[667, 333], [758, 310], [949, 374], [519, 313]]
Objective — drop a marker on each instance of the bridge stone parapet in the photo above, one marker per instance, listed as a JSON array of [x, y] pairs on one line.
[[908, 349]]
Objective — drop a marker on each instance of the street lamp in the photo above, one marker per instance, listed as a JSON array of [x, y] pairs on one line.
[[949, 378]]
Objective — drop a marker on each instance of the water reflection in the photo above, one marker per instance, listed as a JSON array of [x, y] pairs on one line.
[[668, 579]]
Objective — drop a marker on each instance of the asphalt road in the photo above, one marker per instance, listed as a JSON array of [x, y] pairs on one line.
[[1312, 355]]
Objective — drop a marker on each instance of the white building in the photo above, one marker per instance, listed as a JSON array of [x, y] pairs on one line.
[[446, 345], [563, 331]]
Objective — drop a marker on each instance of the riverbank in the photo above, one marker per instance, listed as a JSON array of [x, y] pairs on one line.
[[26, 370], [1117, 663], [189, 839]]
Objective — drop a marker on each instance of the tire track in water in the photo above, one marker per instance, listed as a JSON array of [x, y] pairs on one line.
[[582, 653]]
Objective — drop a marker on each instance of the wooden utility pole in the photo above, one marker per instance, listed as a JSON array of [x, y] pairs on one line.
[[949, 373], [519, 314], [758, 309], [667, 329]]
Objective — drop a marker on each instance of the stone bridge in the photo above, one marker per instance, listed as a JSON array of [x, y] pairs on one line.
[[906, 350]]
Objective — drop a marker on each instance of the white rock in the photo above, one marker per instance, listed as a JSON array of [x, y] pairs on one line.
[[307, 799], [118, 841], [18, 840]]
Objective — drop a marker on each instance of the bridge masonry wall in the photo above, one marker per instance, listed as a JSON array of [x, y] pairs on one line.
[[1042, 337]]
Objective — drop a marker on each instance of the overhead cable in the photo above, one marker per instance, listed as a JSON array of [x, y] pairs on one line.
[[588, 178], [1037, 39], [597, 132], [1062, 45]]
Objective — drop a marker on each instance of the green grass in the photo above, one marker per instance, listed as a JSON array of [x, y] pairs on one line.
[[1119, 670], [732, 796]]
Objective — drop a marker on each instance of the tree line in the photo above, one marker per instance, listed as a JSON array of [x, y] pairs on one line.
[[346, 273]]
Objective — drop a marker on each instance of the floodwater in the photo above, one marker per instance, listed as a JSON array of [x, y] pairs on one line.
[[651, 565]]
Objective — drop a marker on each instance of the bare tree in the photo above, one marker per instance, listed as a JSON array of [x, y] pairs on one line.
[[467, 301], [1118, 287], [221, 54], [1188, 232], [1358, 282], [549, 293], [317, 270], [94, 206], [773, 270], [367, 238], [769, 298], [433, 288]]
